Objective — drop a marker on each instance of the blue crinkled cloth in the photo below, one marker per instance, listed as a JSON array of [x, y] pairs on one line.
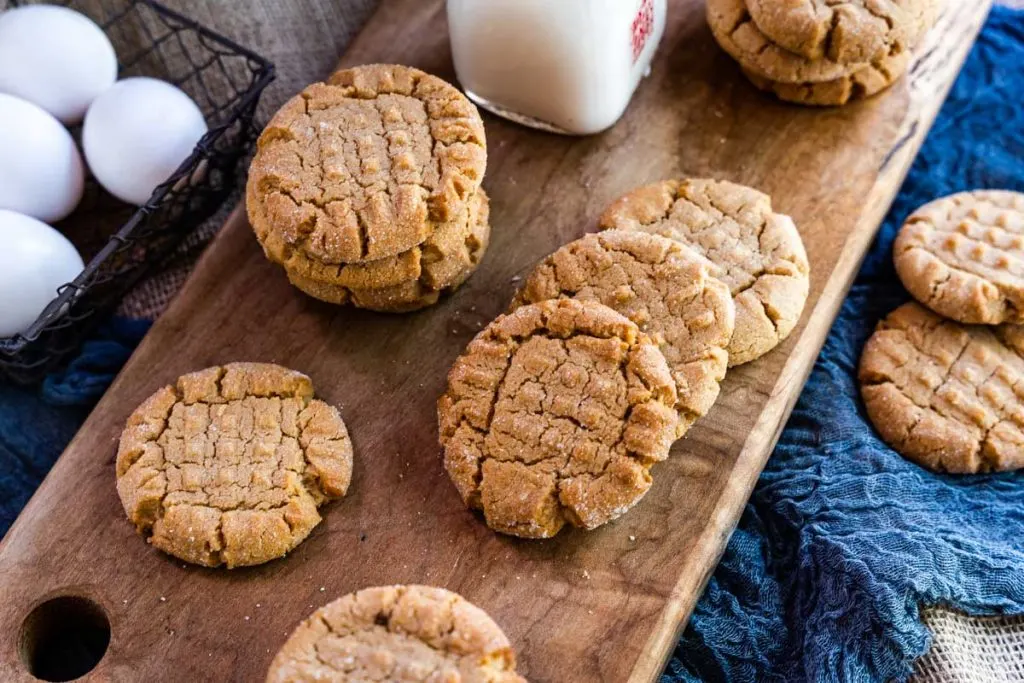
[[36, 425], [843, 539]]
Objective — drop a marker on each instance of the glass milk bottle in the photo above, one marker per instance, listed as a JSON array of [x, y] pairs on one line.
[[568, 66]]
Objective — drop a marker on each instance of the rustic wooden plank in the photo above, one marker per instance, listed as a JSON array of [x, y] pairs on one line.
[[600, 606]]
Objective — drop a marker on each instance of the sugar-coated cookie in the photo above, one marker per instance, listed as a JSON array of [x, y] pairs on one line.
[[663, 287], [963, 256], [364, 166], [946, 395], [404, 634], [229, 465], [842, 31], [754, 250], [555, 413]]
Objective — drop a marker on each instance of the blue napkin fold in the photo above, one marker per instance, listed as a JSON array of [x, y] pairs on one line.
[[36, 424], [844, 540]]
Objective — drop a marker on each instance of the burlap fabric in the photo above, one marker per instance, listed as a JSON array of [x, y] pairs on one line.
[[304, 38], [969, 649]]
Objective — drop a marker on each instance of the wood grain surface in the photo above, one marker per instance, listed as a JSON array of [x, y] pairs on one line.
[[601, 606]]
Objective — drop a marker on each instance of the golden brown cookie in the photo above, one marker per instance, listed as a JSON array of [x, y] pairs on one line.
[[737, 34], [402, 634], [963, 256], [861, 84], [945, 395], [364, 166], [441, 257], [842, 31], [230, 464], [755, 251], [555, 413], [439, 266], [663, 287]]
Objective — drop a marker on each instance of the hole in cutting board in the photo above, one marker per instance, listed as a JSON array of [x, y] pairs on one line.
[[64, 638]]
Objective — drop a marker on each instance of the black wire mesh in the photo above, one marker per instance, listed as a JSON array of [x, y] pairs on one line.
[[120, 242]]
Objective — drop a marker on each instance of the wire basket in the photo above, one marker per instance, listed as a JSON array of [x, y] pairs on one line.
[[121, 242]]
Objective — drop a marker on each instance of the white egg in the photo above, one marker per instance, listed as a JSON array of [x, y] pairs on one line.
[[136, 135], [35, 260], [56, 58], [41, 171]]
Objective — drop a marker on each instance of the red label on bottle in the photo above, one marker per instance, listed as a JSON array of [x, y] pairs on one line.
[[643, 24]]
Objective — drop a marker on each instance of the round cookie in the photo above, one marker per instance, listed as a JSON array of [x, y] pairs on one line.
[[230, 464], [663, 287], [364, 166], [945, 395], [861, 84], [963, 256], [737, 34], [555, 413], [400, 634], [439, 266], [845, 32], [756, 252]]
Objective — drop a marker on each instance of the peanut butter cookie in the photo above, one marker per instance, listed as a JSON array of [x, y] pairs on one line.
[[945, 395], [842, 31], [364, 166], [737, 34], [756, 252], [415, 279], [230, 464], [403, 634], [555, 413], [963, 256], [663, 287], [861, 84]]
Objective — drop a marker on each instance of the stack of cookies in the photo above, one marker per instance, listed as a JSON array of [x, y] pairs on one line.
[[821, 52], [943, 379], [613, 348], [366, 188]]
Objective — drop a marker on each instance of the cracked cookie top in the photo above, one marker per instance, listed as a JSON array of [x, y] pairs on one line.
[[663, 287], [737, 33], [948, 396], [756, 252], [963, 256], [229, 465], [842, 31], [397, 633], [555, 413], [364, 166]]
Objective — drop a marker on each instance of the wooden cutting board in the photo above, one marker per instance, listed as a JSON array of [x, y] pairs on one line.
[[607, 605]]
